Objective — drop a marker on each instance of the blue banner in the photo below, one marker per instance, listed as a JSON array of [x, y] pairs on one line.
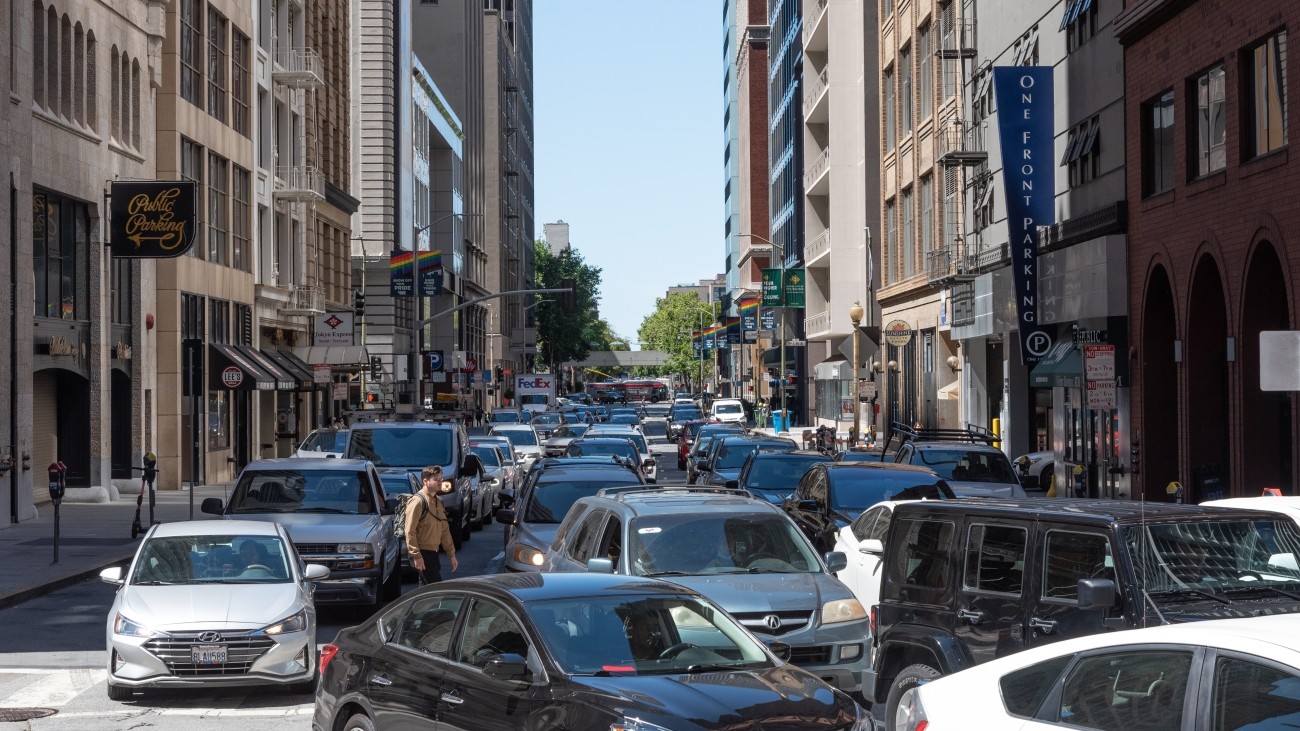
[[767, 319], [1024, 99]]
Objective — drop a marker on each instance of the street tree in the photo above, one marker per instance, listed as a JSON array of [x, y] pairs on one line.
[[568, 324], [669, 329]]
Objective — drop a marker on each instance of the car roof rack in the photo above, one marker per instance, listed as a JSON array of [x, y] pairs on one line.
[[618, 493], [904, 434]]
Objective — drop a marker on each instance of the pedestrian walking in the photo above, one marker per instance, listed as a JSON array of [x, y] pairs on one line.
[[478, 416], [427, 529]]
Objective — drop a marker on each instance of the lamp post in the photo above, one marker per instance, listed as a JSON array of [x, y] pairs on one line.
[[419, 308], [855, 316], [780, 371]]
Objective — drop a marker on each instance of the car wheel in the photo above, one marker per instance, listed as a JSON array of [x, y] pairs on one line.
[[466, 530], [911, 677], [120, 692], [359, 722], [1045, 477], [476, 520]]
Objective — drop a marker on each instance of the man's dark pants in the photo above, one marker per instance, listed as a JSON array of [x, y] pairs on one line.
[[432, 572]]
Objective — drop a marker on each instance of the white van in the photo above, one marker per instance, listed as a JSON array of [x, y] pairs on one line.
[[728, 410]]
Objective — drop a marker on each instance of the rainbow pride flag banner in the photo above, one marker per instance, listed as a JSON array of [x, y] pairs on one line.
[[429, 265], [749, 314], [401, 274]]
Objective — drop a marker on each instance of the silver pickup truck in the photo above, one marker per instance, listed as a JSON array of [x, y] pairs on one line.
[[336, 513]]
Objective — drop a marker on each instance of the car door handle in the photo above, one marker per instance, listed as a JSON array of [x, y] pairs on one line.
[[1045, 626], [452, 699], [380, 680], [971, 615]]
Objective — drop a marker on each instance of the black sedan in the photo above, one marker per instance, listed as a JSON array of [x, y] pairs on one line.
[[576, 651]]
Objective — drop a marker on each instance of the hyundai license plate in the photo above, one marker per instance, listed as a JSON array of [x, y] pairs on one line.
[[208, 654]]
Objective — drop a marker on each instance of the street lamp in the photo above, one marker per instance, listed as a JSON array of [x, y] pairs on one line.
[[855, 315], [781, 334]]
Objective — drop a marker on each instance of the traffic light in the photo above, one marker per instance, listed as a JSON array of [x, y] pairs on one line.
[[376, 368], [372, 397], [359, 302], [497, 375]]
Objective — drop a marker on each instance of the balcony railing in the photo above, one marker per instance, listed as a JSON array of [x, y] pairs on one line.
[[298, 67], [817, 324], [811, 14], [299, 183], [957, 41], [816, 86], [305, 301], [814, 171], [962, 145], [819, 247]]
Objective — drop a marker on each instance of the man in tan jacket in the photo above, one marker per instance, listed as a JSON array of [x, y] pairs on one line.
[[427, 529]]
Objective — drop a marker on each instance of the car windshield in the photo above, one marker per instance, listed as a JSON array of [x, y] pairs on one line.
[[656, 410], [655, 428], [326, 441], [603, 448], [549, 500], [624, 419], [413, 446], [506, 417], [395, 484], [637, 438], [637, 634], [960, 465], [518, 437], [855, 489], [302, 491], [212, 559], [732, 453], [1215, 556], [570, 431], [728, 409], [763, 542], [778, 473], [548, 417], [489, 456]]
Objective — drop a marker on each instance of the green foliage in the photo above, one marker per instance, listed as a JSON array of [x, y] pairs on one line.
[[669, 329], [564, 336]]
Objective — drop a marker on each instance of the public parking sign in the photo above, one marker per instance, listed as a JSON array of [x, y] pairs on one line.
[[435, 360]]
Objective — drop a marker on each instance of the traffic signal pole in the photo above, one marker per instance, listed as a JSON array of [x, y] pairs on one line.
[[484, 298]]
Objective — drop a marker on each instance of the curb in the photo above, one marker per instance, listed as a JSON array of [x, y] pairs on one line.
[[31, 592]]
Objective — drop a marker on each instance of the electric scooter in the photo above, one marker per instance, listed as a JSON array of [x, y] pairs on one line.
[[149, 474]]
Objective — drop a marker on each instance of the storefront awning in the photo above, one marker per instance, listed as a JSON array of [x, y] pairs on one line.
[[283, 381], [289, 363], [951, 392], [833, 369], [351, 356], [230, 369], [1063, 367]]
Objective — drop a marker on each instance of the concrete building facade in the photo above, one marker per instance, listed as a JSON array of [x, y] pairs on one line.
[[557, 236]]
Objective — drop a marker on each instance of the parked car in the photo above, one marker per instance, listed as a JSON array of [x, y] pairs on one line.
[[969, 581], [1035, 470], [416, 445], [338, 516], [496, 476], [547, 495], [1217, 674], [774, 474], [726, 461], [740, 551], [729, 410], [831, 494], [523, 439], [512, 473], [212, 604], [863, 541], [566, 651], [323, 443]]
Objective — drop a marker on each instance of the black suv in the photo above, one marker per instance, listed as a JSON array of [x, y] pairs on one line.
[[967, 581], [831, 494]]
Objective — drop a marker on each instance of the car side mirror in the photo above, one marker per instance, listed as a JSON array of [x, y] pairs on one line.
[[809, 505], [471, 465], [779, 648], [600, 565], [316, 572], [212, 506], [506, 516], [390, 506], [733, 484], [112, 575], [1096, 593], [872, 547], [836, 561], [507, 666]]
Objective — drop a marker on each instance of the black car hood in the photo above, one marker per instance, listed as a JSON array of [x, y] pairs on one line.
[[773, 699]]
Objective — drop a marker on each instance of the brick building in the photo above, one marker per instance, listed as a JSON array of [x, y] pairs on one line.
[[1211, 205]]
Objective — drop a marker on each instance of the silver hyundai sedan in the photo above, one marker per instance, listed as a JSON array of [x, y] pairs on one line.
[[214, 603]]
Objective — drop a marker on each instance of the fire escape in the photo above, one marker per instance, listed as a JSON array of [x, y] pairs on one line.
[[297, 185]]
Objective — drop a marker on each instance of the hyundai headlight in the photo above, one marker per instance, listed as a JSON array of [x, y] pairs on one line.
[[128, 628], [842, 610], [294, 623], [356, 548], [635, 724], [529, 555]]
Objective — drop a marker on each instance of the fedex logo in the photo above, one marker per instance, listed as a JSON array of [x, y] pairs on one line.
[[538, 382]]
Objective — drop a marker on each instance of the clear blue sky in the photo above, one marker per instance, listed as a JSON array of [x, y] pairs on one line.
[[628, 143]]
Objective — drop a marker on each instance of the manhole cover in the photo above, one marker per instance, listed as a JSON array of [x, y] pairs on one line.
[[9, 715]]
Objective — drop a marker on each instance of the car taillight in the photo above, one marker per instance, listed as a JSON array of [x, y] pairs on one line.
[[327, 653], [873, 621]]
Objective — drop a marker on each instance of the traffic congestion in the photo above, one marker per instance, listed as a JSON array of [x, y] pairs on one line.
[[681, 568]]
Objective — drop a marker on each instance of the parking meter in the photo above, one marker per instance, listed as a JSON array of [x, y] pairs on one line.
[[58, 483]]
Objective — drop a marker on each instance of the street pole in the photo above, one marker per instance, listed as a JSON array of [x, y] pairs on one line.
[[855, 315], [419, 306], [361, 286], [785, 416]]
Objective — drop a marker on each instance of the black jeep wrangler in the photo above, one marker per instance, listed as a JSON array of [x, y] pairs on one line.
[[966, 581]]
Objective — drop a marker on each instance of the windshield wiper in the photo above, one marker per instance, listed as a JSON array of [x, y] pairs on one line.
[[706, 668], [1266, 587], [324, 510], [160, 583], [667, 573], [1196, 592]]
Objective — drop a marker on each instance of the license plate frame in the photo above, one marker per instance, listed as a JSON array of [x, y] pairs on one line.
[[208, 655]]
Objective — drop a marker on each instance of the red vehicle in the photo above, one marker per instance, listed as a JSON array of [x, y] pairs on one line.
[[686, 439], [631, 391]]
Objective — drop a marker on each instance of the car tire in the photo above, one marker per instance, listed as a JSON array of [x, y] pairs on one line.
[[1045, 477], [911, 677], [359, 722], [466, 531], [476, 520], [120, 692]]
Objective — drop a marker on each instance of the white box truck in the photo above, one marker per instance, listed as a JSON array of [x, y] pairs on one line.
[[535, 391]]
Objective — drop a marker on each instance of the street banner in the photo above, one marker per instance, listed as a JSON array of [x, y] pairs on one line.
[[794, 288], [429, 265], [767, 319], [697, 343], [154, 219], [772, 288], [401, 272], [1024, 101], [733, 331], [749, 314]]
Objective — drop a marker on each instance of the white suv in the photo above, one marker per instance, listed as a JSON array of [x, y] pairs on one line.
[[728, 410]]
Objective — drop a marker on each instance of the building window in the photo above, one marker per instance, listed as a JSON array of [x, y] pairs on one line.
[[78, 74], [924, 79], [51, 60], [61, 251], [241, 219], [115, 94], [891, 244], [125, 82], [927, 214], [38, 54], [905, 90], [1266, 96], [192, 52], [1025, 52], [1083, 152], [123, 290], [240, 83], [218, 419], [886, 8], [218, 321], [135, 103], [92, 87], [1158, 144], [984, 210], [907, 245], [192, 169], [890, 131], [218, 209], [1079, 22], [982, 97], [950, 37], [243, 325], [1209, 137], [218, 30]]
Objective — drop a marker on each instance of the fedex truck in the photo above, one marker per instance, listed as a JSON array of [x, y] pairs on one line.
[[535, 391]]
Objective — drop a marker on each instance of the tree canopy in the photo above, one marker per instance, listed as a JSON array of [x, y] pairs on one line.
[[565, 334], [669, 329]]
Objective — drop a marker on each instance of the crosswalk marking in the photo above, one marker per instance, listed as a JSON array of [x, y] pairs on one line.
[[55, 688]]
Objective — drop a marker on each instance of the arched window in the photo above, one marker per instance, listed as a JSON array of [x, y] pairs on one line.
[[79, 74], [65, 68], [92, 88], [126, 102], [115, 92], [52, 60], [135, 103], [38, 53]]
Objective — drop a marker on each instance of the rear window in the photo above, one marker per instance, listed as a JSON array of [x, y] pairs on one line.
[[778, 473], [506, 417], [858, 489], [401, 447], [727, 409], [961, 465], [302, 491], [655, 429], [488, 455], [518, 437], [548, 501], [582, 448], [326, 441]]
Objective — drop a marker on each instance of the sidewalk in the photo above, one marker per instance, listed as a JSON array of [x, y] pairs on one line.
[[92, 537]]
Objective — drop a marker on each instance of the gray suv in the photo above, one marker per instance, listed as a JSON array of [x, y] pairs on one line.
[[740, 551]]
